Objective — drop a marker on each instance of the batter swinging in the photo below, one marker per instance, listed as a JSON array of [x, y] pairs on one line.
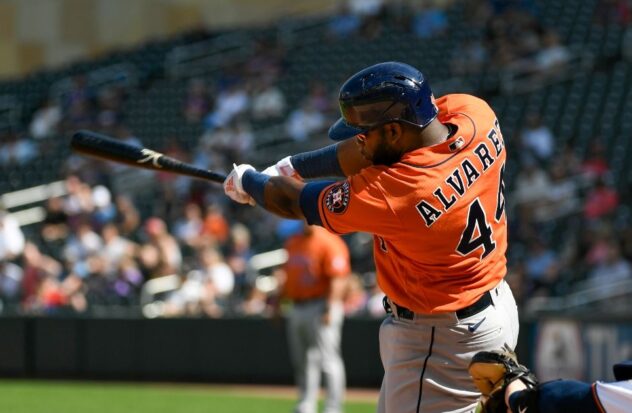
[[426, 178]]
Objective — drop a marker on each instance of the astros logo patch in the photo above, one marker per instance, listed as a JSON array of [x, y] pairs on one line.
[[337, 198]]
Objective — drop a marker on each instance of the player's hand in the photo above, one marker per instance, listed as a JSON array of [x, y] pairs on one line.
[[233, 187], [282, 168]]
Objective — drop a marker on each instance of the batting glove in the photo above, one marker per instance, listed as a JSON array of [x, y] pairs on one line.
[[282, 168], [233, 187]]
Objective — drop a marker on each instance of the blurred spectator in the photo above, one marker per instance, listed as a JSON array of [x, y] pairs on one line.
[[188, 228], [569, 160], [267, 60], [127, 217], [79, 115], [601, 201], [78, 201], [204, 291], [104, 210], [239, 252], [596, 243], [268, 100], [80, 92], [553, 55], [470, 56], [320, 99], [537, 138], [55, 224], [127, 284], [215, 226], [82, 244], [532, 185], [166, 247], [74, 290], [345, 23], [305, 121], [16, 149], [11, 237], [562, 198], [151, 263], [37, 267], [45, 120], [110, 108], [541, 266], [596, 165], [217, 272], [229, 103], [428, 20], [50, 296], [172, 188], [211, 151], [10, 284], [242, 142], [197, 102], [612, 269], [188, 300], [256, 303], [115, 249]]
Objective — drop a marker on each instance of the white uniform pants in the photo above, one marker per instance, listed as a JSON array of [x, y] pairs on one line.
[[315, 347], [615, 397], [425, 359]]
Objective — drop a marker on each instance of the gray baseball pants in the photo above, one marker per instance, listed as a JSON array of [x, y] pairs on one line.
[[425, 358], [315, 347]]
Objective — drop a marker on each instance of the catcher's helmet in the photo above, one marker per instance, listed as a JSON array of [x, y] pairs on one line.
[[382, 93]]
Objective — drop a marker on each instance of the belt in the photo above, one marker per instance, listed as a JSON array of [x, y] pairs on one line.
[[310, 300], [482, 303]]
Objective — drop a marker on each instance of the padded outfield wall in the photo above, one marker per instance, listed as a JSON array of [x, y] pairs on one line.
[[255, 350]]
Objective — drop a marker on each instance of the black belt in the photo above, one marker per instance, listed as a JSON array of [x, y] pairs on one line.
[[311, 300], [482, 303]]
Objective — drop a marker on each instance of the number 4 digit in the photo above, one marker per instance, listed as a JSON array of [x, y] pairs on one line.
[[476, 225]]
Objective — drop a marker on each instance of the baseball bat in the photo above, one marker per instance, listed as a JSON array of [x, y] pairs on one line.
[[104, 147]]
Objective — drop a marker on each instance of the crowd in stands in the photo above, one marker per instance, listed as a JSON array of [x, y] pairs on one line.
[[98, 246]]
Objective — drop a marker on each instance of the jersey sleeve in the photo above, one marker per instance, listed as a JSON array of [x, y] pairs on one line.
[[356, 204]]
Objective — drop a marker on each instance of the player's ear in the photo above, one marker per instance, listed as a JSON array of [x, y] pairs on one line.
[[393, 131]]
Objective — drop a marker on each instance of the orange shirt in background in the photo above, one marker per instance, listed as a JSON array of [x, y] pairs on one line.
[[312, 261]]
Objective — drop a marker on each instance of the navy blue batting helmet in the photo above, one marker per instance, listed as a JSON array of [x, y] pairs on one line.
[[382, 93]]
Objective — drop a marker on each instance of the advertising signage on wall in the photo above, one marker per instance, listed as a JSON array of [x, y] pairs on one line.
[[580, 350]]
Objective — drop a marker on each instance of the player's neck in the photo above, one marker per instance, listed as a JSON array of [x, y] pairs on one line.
[[435, 133]]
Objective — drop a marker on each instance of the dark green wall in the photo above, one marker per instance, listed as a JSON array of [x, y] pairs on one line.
[[224, 350]]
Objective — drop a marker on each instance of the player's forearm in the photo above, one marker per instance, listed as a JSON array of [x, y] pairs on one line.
[[279, 195], [282, 196], [337, 289]]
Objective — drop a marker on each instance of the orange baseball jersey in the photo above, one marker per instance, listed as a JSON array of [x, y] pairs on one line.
[[312, 261], [438, 215]]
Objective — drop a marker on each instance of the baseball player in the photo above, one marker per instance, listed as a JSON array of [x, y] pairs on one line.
[[510, 387], [425, 177], [316, 274]]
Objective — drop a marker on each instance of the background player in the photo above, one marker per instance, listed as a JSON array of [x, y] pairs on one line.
[[426, 178], [316, 275], [511, 387]]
